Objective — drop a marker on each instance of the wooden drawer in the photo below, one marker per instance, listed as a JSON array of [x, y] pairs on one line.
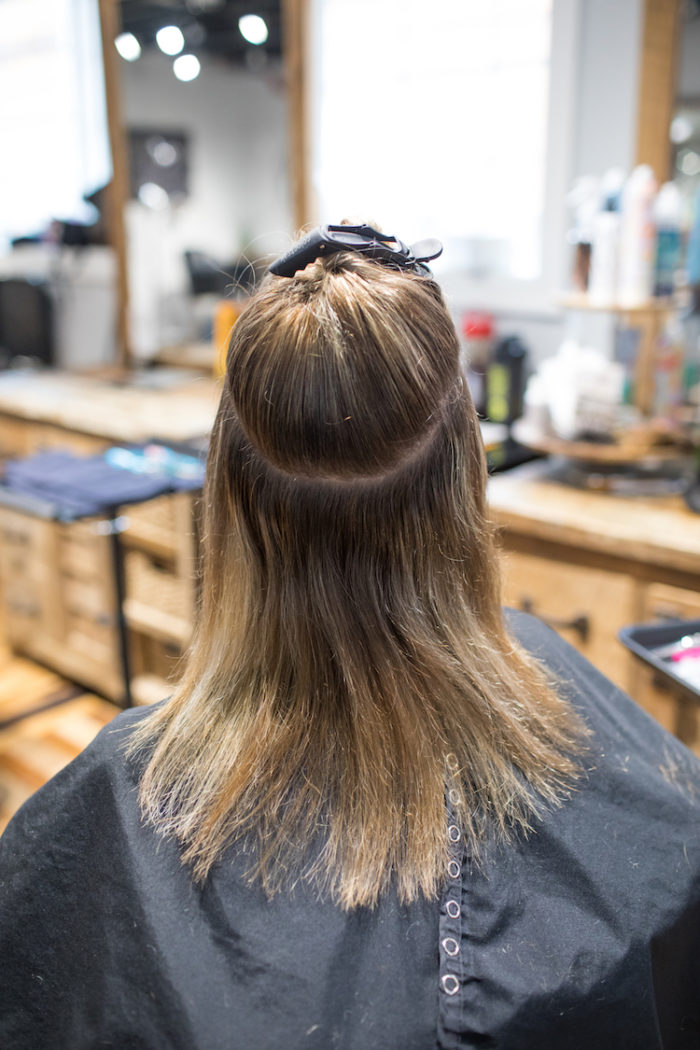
[[29, 598], [164, 527], [92, 599], [82, 552], [19, 564], [91, 665], [152, 584], [586, 606], [160, 513], [26, 535], [154, 656], [102, 630], [96, 640], [662, 602], [24, 613], [22, 595]]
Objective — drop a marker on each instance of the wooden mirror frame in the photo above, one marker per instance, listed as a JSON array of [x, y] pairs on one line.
[[656, 92], [117, 193]]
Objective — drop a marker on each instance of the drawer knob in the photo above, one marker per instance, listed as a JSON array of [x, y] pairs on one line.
[[581, 625]]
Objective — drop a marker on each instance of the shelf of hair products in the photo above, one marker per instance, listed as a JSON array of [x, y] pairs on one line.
[[622, 390]]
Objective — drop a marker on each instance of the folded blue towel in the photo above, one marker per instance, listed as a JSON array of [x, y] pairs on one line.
[[80, 486]]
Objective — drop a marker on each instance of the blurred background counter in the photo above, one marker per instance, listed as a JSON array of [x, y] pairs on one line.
[[87, 413]]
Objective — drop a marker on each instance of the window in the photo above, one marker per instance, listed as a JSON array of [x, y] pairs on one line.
[[450, 119], [53, 122]]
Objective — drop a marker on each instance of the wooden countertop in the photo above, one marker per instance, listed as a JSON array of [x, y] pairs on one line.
[[168, 403], [656, 530], [164, 403]]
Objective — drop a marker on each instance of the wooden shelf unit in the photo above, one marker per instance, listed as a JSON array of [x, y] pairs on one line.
[[649, 319], [159, 550]]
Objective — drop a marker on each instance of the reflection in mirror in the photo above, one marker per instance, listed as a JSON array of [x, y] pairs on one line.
[[57, 298], [685, 150], [685, 127], [208, 195], [200, 90]]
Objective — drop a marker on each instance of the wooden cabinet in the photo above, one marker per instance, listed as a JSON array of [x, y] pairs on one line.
[[589, 564], [60, 599], [586, 605], [61, 595]]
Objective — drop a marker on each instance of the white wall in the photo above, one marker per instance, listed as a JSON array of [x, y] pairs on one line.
[[238, 200], [608, 74]]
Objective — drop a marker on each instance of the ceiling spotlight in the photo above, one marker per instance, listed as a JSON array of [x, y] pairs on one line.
[[170, 40], [153, 196], [690, 162], [128, 46], [253, 28], [164, 154], [681, 129], [186, 67]]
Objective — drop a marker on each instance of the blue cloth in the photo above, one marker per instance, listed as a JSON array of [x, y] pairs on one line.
[[80, 486]]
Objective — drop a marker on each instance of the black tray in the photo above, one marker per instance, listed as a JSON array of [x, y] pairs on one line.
[[642, 638]]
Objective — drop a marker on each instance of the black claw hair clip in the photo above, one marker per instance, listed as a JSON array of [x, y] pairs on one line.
[[328, 240]]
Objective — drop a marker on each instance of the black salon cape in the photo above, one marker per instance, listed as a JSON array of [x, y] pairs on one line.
[[585, 936]]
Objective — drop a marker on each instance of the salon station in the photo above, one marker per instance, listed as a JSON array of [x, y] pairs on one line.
[[551, 146]]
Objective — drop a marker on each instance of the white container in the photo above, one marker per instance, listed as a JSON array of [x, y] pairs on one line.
[[602, 286], [605, 242], [637, 238]]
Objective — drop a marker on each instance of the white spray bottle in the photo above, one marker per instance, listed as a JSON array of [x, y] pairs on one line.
[[637, 238], [605, 248]]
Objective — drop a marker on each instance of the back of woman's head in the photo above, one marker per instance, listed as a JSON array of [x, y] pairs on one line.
[[346, 456], [351, 662], [343, 371]]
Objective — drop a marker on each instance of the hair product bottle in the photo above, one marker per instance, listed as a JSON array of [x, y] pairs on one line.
[[667, 214], [692, 262], [477, 333], [602, 287], [505, 381], [637, 238], [583, 199]]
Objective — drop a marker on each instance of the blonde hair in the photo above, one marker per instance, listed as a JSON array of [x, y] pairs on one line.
[[351, 663]]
